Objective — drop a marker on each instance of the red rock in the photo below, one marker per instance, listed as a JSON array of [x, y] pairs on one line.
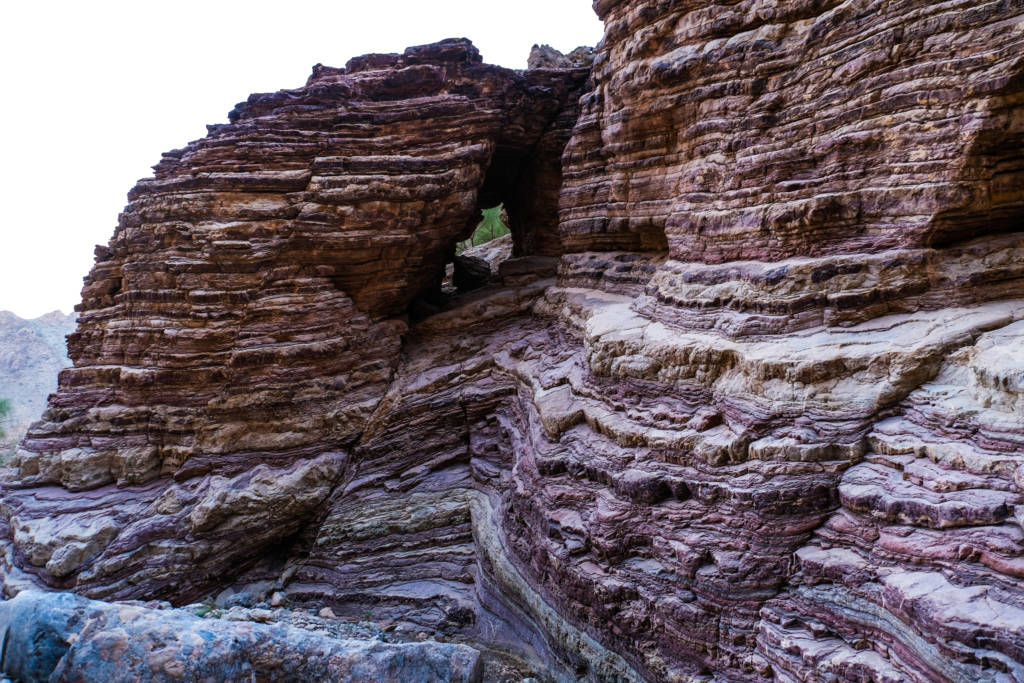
[[764, 422]]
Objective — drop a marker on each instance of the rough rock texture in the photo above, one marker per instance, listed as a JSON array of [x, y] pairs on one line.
[[763, 421], [239, 331], [495, 252], [32, 352], [772, 130], [62, 637], [547, 57], [470, 272], [830, 196]]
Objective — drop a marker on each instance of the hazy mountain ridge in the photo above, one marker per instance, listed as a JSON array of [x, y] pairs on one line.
[[32, 353]]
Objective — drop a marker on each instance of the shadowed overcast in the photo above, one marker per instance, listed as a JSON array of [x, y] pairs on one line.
[[97, 91]]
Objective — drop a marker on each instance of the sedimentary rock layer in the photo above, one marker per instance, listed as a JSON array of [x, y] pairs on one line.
[[770, 130], [762, 421], [239, 330]]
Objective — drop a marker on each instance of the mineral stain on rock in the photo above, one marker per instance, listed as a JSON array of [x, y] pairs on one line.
[[745, 403]]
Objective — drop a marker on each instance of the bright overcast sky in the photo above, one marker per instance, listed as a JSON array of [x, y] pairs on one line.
[[95, 91]]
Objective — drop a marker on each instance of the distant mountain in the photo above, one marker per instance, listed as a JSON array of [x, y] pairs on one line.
[[32, 353]]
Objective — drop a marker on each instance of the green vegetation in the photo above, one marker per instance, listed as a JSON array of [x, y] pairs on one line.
[[6, 449], [5, 410], [208, 609], [491, 227]]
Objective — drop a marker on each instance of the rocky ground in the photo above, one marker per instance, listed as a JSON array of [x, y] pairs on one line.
[[63, 637]]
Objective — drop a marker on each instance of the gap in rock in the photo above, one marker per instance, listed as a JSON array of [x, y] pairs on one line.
[[477, 258], [526, 183], [523, 184]]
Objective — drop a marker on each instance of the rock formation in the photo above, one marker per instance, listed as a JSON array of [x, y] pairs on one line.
[[547, 57], [60, 637], [745, 404], [32, 352]]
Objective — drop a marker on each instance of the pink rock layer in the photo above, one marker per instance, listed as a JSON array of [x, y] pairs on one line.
[[764, 422]]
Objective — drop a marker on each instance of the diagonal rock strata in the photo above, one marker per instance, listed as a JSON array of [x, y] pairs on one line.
[[262, 268], [762, 421]]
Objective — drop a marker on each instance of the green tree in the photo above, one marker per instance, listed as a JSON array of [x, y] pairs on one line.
[[491, 227], [5, 410]]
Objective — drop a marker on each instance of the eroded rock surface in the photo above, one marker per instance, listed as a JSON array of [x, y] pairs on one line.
[[63, 637], [242, 326], [746, 403], [547, 57]]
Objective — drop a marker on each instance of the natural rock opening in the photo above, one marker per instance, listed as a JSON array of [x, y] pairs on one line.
[[478, 257], [530, 202], [524, 177]]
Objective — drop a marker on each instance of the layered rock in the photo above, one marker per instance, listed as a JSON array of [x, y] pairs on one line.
[[923, 560], [763, 422], [769, 130], [243, 324]]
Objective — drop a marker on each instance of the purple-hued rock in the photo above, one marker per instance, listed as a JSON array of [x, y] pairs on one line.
[[748, 403]]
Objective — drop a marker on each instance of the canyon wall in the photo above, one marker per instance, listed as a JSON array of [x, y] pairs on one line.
[[761, 418], [245, 320]]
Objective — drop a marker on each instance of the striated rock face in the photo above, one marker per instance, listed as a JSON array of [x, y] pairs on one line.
[[762, 419], [239, 331], [828, 199], [772, 130]]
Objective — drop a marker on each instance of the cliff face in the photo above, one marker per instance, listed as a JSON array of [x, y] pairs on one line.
[[839, 189], [773, 130], [240, 329], [32, 352], [830, 197], [765, 421]]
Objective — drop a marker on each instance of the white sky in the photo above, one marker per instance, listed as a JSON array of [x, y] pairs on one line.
[[93, 92]]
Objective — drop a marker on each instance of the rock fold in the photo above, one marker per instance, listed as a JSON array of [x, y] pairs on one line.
[[746, 403]]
